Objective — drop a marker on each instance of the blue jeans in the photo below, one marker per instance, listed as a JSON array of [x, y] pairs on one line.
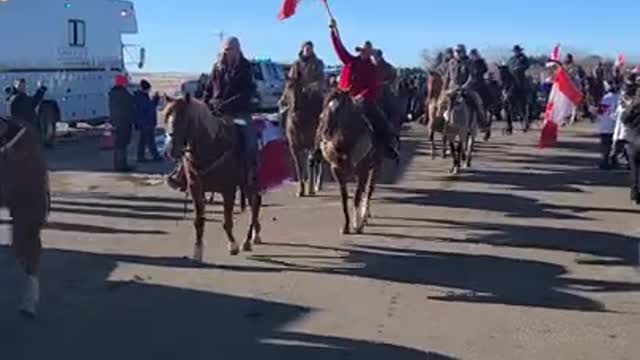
[[249, 139]]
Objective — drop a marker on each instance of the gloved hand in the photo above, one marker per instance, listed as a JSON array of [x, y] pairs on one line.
[[333, 24]]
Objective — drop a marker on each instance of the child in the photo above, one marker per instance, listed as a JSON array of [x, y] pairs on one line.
[[607, 124]]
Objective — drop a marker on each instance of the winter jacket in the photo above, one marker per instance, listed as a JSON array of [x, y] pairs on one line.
[[458, 73], [146, 110], [359, 76], [308, 71], [122, 110], [23, 106], [230, 87]]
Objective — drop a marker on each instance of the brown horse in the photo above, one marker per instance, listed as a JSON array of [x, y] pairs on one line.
[[24, 190], [434, 121], [348, 145], [305, 106], [211, 157]]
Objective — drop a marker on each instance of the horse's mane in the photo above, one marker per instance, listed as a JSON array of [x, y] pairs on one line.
[[196, 111], [631, 117]]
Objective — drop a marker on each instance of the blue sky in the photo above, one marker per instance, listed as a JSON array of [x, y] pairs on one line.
[[182, 35]]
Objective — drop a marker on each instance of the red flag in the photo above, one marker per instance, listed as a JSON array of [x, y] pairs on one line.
[[620, 61], [288, 9], [564, 98]]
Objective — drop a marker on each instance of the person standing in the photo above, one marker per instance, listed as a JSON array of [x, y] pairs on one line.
[[607, 125], [22, 106], [146, 121], [122, 110]]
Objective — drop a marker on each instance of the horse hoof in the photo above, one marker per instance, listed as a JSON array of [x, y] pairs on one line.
[[31, 297], [234, 249], [360, 229], [257, 240], [198, 252], [246, 246], [300, 194], [345, 231]]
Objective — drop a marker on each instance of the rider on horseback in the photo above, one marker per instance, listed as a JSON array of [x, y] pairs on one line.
[[229, 93], [308, 70], [359, 78], [519, 64], [460, 77]]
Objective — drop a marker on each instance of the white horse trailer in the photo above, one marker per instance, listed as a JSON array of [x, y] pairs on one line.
[[73, 47]]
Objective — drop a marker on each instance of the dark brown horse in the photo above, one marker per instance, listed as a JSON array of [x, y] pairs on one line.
[[305, 106], [24, 190], [350, 148], [209, 151], [434, 121]]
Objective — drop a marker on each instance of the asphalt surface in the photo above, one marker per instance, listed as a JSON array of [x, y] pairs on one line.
[[531, 254]]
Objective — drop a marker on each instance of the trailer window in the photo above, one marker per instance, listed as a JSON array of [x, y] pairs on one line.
[[76, 33]]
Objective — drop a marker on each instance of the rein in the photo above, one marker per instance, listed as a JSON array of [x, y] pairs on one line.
[[13, 141]]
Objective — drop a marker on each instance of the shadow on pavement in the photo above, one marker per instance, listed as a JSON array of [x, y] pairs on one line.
[[83, 316], [475, 278]]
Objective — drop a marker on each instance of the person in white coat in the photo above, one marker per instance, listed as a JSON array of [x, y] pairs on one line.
[[621, 133], [606, 124]]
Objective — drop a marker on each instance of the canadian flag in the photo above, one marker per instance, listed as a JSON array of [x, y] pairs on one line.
[[555, 54], [563, 100]]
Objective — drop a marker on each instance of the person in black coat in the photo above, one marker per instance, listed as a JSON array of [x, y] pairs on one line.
[[122, 110], [22, 106], [146, 121]]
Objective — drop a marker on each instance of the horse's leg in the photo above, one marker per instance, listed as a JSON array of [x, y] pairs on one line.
[[298, 163], [243, 198], [452, 148], [253, 234], [358, 204], [198, 198], [432, 140], [470, 144], [444, 146], [256, 239], [212, 198], [27, 246], [318, 181], [344, 195], [371, 187], [229, 199], [312, 169]]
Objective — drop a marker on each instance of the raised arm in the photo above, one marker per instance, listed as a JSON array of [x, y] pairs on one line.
[[341, 51]]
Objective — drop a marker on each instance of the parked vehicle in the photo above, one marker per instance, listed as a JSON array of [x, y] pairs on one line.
[[268, 76], [74, 48]]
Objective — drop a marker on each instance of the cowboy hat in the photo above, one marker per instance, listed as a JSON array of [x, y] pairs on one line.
[[366, 45], [461, 48], [517, 48]]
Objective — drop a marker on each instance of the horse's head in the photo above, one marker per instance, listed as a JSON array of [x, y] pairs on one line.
[[181, 116]]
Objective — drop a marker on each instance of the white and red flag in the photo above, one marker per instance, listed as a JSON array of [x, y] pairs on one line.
[[274, 169], [289, 7], [563, 100]]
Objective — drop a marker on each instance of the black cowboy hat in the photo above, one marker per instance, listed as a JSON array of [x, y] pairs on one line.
[[366, 45], [517, 48]]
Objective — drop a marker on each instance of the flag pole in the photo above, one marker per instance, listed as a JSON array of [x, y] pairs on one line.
[[326, 6]]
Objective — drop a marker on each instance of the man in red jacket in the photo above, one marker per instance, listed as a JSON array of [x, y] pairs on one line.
[[360, 78]]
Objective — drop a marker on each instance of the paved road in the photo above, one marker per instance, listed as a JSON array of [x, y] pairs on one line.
[[529, 255]]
